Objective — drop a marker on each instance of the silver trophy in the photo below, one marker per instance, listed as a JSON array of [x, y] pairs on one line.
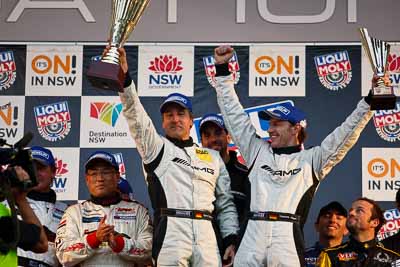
[[107, 73], [378, 52]]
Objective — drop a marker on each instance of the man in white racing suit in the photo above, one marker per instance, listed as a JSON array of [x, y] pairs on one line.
[[105, 230], [283, 176], [183, 181]]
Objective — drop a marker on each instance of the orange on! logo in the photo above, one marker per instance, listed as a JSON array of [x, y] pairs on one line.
[[43, 64], [265, 65], [379, 167]]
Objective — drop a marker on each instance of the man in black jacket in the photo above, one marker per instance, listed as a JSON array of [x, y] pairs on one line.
[[214, 135]]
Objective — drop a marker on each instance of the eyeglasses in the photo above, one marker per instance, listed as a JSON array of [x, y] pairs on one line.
[[102, 173]]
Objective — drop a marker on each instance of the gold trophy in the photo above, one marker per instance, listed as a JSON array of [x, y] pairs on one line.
[[107, 73], [378, 51]]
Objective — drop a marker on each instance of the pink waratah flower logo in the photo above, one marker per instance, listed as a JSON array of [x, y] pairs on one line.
[[394, 63], [61, 167], [165, 63]]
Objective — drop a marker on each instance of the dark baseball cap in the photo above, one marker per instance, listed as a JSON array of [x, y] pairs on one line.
[[177, 98], [103, 156], [212, 118], [284, 112], [332, 206]]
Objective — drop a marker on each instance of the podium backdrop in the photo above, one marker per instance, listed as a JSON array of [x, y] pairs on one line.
[[43, 89]]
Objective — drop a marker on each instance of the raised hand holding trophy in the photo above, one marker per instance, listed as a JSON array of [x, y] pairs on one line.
[[378, 51], [107, 73]]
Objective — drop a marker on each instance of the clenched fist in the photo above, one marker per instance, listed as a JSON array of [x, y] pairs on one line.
[[222, 54]]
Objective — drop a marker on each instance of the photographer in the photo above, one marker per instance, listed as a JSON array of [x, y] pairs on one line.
[[29, 231], [42, 200]]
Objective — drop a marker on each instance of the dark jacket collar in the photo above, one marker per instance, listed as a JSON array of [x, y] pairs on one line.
[[46, 197], [106, 201], [181, 143], [362, 246], [287, 150]]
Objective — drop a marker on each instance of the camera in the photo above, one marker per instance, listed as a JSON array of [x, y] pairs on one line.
[[17, 155]]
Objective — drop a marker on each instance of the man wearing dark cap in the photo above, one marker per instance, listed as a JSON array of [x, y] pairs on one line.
[[283, 176], [183, 181], [331, 227], [42, 199], [393, 242], [105, 230], [215, 136]]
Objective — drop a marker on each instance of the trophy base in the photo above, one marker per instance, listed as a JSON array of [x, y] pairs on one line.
[[106, 76], [383, 102]]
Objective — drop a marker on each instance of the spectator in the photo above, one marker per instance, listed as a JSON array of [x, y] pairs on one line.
[[331, 227], [104, 230]]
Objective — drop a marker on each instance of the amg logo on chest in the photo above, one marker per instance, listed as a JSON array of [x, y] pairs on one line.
[[280, 172], [184, 162]]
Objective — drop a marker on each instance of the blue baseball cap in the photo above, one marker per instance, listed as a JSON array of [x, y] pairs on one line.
[[177, 98], [43, 155], [212, 118], [284, 112], [101, 155]]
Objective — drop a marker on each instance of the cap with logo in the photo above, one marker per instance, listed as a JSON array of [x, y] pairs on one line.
[[285, 112], [176, 98], [43, 155], [332, 206], [102, 156], [212, 118]]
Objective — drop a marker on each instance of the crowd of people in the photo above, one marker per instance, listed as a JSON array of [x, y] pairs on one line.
[[210, 209]]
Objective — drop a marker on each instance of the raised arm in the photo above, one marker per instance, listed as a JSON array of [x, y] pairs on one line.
[[336, 145], [148, 142], [237, 121]]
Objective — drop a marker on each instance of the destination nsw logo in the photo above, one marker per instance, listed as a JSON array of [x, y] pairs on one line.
[[165, 70], [106, 112]]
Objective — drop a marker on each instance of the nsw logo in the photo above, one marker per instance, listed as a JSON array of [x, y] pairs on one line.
[[334, 70], [394, 69], [387, 123], [60, 181], [165, 70], [8, 70], [9, 118], [105, 112], [53, 120]]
